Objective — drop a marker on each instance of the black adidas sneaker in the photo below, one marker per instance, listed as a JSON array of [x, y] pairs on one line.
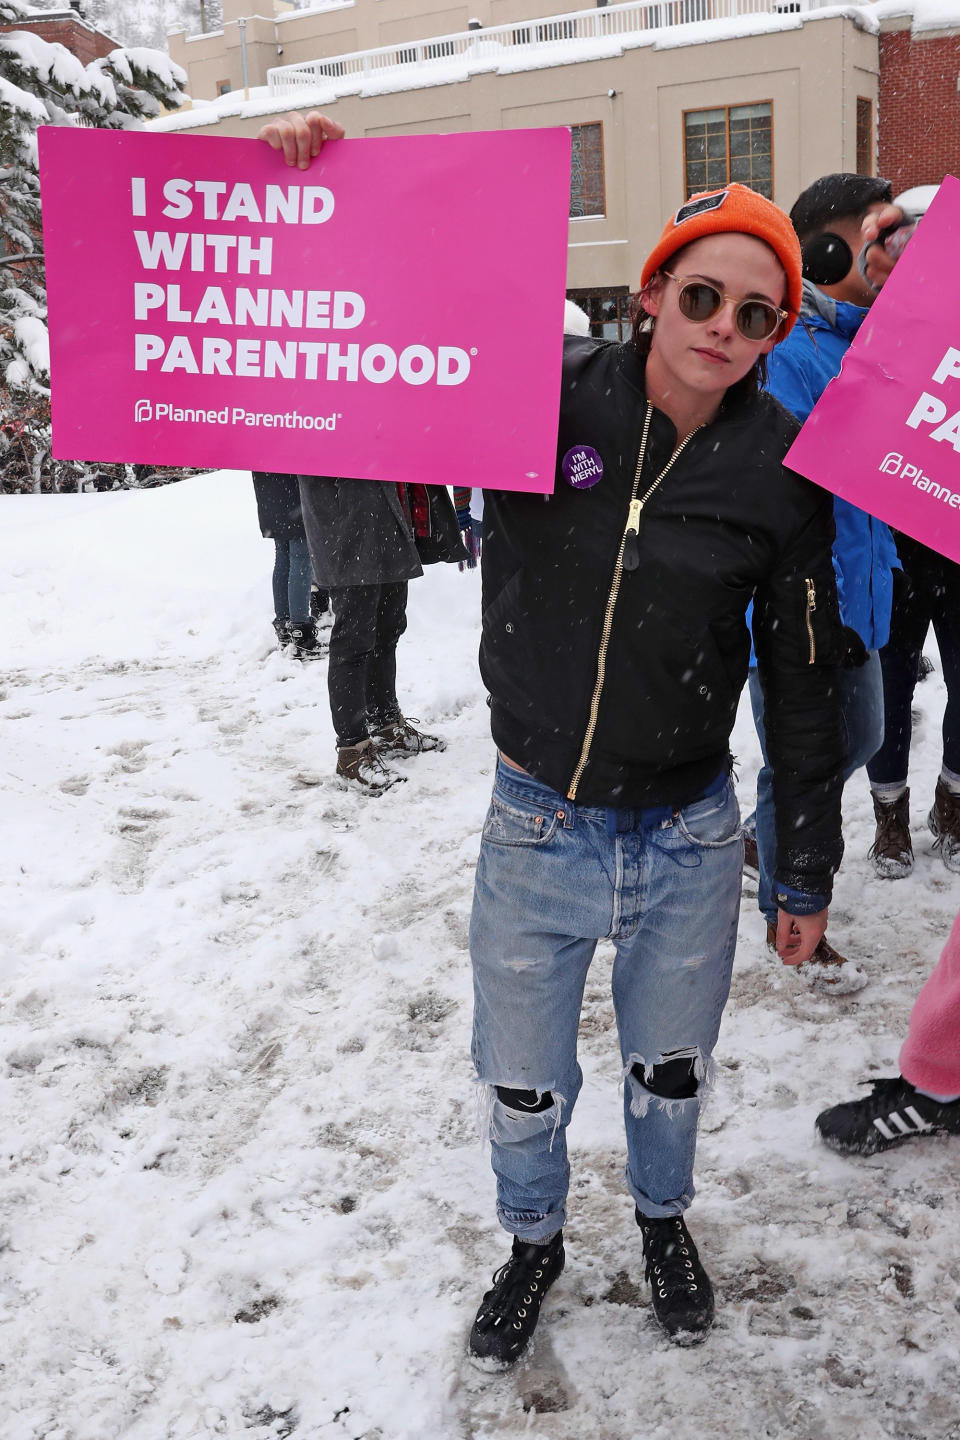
[[891, 1113], [509, 1311]]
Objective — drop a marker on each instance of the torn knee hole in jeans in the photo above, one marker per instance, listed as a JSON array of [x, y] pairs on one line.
[[508, 1113], [675, 1079]]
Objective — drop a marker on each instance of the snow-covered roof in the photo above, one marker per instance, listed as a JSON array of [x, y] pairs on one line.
[[926, 15], [31, 15], [305, 13]]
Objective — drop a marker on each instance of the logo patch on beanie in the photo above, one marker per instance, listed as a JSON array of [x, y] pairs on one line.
[[699, 207]]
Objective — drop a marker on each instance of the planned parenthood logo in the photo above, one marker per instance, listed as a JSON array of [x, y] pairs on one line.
[[895, 464], [163, 412]]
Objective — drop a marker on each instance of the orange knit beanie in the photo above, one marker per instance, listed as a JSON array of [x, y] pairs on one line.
[[735, 208]]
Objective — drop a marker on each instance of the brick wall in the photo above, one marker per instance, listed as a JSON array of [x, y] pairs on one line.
[[81, 40], [918, 130]]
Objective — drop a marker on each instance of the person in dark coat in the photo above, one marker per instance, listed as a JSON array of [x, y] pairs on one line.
[[367, 539], [281, 520]]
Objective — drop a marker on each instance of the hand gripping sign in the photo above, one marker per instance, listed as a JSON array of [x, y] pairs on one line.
[[885, 434], [394, 313]]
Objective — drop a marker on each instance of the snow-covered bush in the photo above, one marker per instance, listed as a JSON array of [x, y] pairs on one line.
[[43, 84]]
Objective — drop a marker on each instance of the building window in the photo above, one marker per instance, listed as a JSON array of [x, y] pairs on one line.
[[609, 311], [864, 136], [733, 142], [586, 171], [224, 87]]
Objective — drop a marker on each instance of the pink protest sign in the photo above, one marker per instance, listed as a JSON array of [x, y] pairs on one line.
[[885, 434], [395, 312]]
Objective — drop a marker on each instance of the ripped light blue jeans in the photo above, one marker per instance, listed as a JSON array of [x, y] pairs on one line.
[[554, 878]]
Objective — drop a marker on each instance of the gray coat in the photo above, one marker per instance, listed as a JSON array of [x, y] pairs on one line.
[[358, 533]]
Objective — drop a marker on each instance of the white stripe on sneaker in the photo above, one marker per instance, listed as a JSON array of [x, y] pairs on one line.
[[902, 1128]]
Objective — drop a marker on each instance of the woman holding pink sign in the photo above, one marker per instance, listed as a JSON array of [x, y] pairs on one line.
[[614, 650]]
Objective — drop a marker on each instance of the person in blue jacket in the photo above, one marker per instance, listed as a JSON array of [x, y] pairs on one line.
[[827, 217]]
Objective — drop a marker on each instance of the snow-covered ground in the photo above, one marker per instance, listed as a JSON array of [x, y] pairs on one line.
[[241, 1192]]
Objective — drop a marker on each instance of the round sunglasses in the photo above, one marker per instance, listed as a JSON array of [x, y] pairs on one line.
[[699, 301]]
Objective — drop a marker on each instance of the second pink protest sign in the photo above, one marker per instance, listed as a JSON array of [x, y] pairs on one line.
[[395, 312], [885, 434]]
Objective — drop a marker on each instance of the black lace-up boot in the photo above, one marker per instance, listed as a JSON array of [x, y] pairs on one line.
[[509, 1311], [682, 1293]]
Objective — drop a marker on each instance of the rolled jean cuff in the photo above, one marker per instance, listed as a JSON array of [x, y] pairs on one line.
[[651, 1209], [530, 1228], [799, 902]]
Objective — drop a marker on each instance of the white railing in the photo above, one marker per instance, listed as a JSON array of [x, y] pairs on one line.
[[481, 49]]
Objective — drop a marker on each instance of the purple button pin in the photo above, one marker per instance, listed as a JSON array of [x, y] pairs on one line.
[[582, 467]]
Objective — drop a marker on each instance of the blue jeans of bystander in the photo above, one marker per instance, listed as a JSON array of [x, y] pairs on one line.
[[291, 580]]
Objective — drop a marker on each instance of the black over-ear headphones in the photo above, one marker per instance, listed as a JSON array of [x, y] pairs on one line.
[[826, 259]]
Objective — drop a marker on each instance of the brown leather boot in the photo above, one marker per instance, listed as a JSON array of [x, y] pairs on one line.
[[363, 769], [944, 823], [398, 737], [892, 849]]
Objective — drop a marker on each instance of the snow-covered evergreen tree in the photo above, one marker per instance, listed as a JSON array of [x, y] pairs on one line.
[[43, 84]]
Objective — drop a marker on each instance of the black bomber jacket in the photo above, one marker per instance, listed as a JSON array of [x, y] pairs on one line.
[[619, 686]]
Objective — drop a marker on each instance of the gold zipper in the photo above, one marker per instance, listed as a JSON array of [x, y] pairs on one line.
[[811, 606], [632, 527]]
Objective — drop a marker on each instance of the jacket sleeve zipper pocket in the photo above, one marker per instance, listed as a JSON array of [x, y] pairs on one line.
[[811, 606]]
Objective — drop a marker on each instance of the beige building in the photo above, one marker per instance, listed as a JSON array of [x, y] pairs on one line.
[[662, 99]]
